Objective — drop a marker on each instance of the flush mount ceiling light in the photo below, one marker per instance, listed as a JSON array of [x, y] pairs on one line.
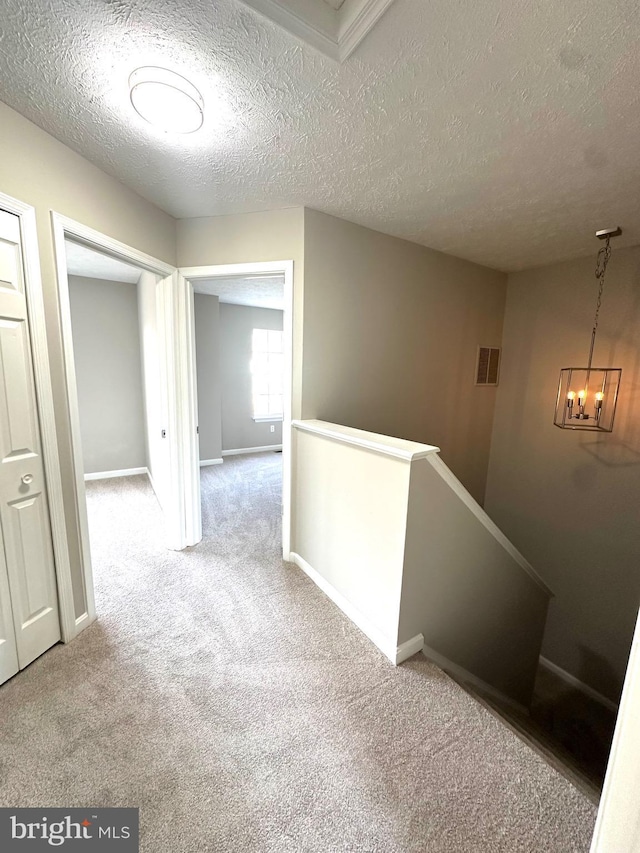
[[587, 396], [166, 100]]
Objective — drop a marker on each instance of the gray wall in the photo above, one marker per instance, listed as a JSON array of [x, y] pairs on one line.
[[465, 592], [570, 501], [390, 327], [207, 323], [237, 323], [106, 345], [391, 331]]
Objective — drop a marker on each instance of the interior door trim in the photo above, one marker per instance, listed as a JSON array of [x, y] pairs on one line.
[[285, 268], [63, 228], [48, 435]]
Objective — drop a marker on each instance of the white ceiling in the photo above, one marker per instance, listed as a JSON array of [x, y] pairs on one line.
[[257, 291], [335, 4], [503, 131], [91, 264]]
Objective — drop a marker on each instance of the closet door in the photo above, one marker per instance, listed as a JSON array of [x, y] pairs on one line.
[[24, 512], [8, 651]]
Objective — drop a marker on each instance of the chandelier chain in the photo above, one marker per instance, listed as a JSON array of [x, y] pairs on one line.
[[601, 268]]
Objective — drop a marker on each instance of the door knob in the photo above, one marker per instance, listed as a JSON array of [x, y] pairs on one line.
[[27, 478]]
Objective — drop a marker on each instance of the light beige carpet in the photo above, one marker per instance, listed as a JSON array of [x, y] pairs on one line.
[[223, 694]]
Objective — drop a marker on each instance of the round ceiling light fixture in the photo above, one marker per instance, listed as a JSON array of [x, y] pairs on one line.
[[166, 100]]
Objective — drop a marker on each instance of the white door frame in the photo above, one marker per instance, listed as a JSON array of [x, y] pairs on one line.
[[69, 625], [188, 402], [285, 268], [64, 227], [617, 827]]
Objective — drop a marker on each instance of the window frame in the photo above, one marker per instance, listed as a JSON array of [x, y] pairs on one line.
[[270, 417]]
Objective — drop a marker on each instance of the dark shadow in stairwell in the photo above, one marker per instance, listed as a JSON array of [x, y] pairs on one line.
[[581, 724]]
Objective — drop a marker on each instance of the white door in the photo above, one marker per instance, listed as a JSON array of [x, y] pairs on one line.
[[28, 570], [174, 391], [8, 652], [190, 440], [155, 333]]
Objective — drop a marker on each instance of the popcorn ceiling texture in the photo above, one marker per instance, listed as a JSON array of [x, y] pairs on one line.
[[501, 131], [267, 292]]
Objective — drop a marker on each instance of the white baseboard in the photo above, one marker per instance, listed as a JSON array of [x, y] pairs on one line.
[[242, 450], [387, 647], [409, 648], [464, 675], [579, 685], [108, 475], [205, 462]]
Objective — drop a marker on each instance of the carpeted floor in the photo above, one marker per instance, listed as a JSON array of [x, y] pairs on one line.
[[224, 695]]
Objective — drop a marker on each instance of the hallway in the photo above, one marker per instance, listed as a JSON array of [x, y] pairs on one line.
[[223, 694]]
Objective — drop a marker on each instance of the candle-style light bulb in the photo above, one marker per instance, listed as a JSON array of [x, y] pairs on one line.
[[599, 396], [571, 396], [581, 395], [599, 399]]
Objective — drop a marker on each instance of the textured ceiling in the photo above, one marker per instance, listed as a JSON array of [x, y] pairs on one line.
[[257, 291], [91, 264], [503, 131]]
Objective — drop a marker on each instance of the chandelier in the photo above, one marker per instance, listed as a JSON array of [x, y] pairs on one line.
[[587, 396]]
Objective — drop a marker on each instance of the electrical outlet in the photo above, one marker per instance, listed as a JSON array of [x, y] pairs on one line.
[[273, 429]]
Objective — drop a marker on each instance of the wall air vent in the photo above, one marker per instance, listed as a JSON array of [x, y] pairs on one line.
[[488, 366]]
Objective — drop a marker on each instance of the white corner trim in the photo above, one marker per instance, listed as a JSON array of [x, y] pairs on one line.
[[240, 451], [579, 685], [400, 448], [313, 23], [355, 20], [471, 503], [462, 674], [409, 648], [108, 475], [336, 33], [205, 462], [388, 647]]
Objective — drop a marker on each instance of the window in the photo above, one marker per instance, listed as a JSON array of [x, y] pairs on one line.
[[267, 369]]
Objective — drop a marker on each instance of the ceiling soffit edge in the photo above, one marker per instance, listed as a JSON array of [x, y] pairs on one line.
[[334, 32]]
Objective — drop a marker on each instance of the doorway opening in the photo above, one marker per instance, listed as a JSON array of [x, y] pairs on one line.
[[243, 332], [120, 380], [162, 338]]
